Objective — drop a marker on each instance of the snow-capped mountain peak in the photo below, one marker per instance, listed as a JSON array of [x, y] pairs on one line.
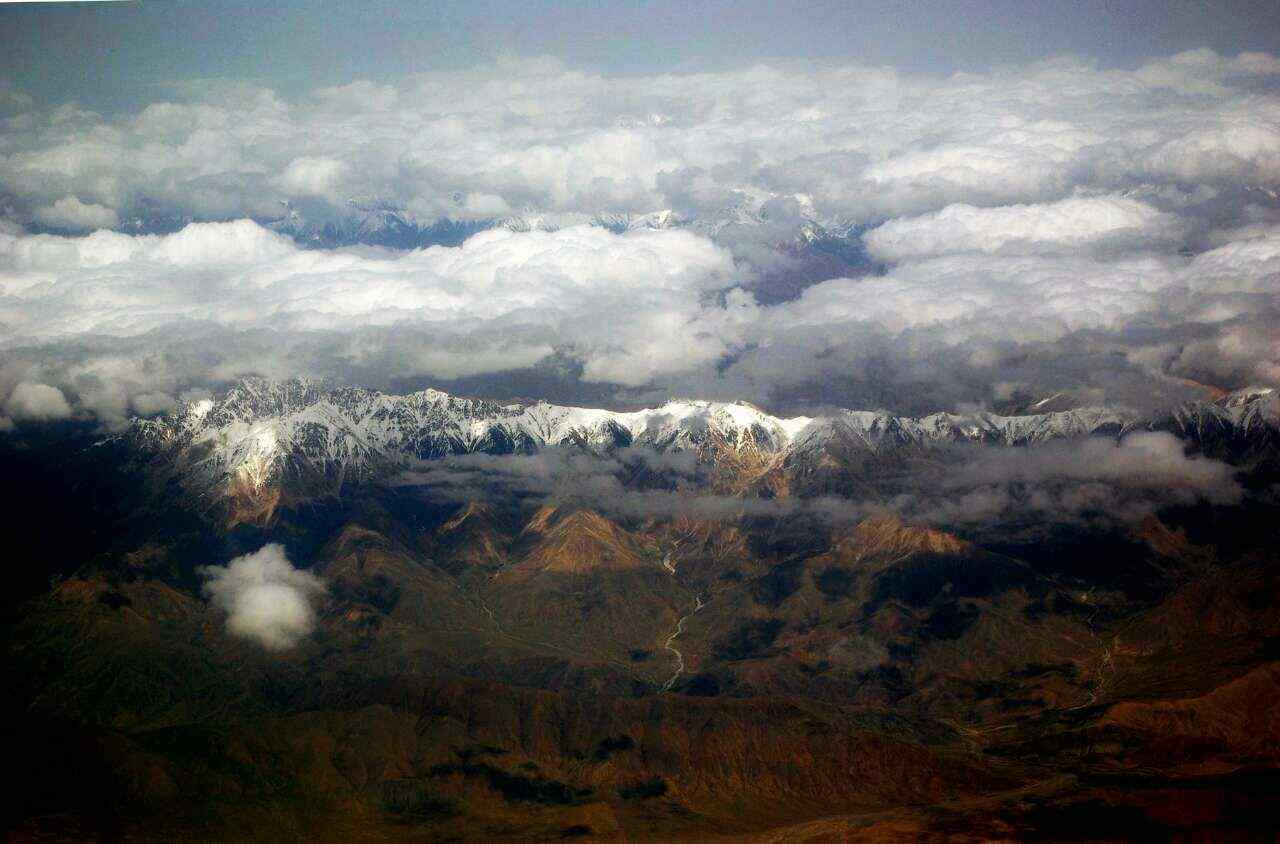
[[260, 431]]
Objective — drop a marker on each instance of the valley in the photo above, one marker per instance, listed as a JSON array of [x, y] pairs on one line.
[[520, 664]]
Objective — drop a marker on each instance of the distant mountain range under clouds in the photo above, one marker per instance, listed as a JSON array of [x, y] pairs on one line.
[[471, 423]]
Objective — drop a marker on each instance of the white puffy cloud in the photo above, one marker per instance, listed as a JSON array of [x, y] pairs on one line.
[[630, 307], [149, 404], [70, 213], [1033, 227], [36, 403], [311, 176], [958, 327], [969, 297], [863, 144], [607, 292], [1204, 70], [1067, 226], [266, 599], [1248, 265], [139, 319]]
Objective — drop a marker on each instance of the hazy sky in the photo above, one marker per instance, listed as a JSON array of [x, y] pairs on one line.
[[113, 55]]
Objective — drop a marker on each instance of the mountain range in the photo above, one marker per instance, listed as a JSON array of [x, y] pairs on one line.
[[263, 433], [536, 621]]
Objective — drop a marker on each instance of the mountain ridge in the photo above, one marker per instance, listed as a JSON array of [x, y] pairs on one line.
[[261, 431]]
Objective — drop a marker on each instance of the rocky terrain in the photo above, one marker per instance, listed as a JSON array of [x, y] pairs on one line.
[[694, 622], [263, 437]]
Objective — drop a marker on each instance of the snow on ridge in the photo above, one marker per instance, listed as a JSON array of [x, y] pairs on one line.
[[260, 429]]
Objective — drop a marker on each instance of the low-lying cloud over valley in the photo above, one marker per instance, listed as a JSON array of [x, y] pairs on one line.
[[1096, 481]]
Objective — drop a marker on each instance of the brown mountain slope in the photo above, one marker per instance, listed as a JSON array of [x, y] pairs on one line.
[[450, 760], [893, 615], [586, 585], [883, 538], [576, 543], [375, 582], [928, 687], [475, 538]]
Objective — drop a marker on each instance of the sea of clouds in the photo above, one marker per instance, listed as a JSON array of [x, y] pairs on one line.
[[1051, 227]]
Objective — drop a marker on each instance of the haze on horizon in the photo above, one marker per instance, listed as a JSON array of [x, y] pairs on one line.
[[111, 56]]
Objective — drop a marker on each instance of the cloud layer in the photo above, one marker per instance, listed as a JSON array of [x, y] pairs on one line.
[[866, 143], [36, 402], [1095, 480], [1068, 226], [1038, 229], [266, 599], [125, 323]]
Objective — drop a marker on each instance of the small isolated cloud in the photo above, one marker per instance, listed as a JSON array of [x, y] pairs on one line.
[[265, 597], [31, 402], [308, 176], [70, 213], [149, 404]]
